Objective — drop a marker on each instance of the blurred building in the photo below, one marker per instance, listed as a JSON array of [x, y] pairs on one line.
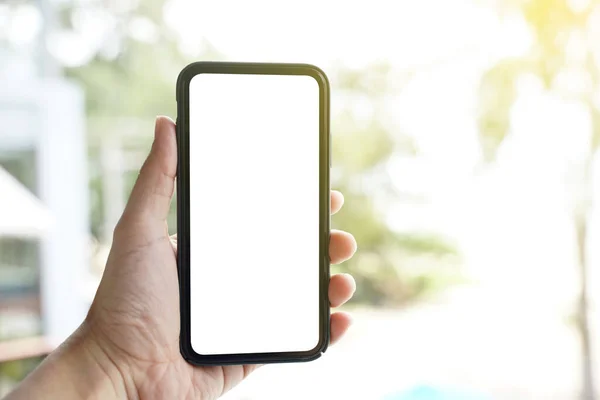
[[23, 220], [44, 222]]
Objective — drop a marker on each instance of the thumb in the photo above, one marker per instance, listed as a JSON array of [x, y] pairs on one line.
[[151, 195]]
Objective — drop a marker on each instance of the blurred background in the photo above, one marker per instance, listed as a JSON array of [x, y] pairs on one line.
[[465, 137]]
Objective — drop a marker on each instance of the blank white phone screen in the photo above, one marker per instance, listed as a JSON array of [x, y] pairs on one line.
[[254, 213]]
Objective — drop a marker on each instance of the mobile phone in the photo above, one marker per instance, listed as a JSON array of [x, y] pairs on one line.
[[253, 201]]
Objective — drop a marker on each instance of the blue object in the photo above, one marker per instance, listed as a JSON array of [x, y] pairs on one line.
[[432, 393]]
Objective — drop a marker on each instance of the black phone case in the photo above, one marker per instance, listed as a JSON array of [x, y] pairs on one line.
[[183, 225]]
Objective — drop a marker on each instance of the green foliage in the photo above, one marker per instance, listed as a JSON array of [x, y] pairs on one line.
[[497, 93], [390, 268], [419, 244], [595, 127], [553, 23], [357, 154], [139, 82], [16, 371]]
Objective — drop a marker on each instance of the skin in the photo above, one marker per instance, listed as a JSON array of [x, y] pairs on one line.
[[128, 345]]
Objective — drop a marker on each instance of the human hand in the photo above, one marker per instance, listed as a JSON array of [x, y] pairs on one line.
[[131, 334]]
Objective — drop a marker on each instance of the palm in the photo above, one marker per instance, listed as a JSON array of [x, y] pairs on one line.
[[135, 315]]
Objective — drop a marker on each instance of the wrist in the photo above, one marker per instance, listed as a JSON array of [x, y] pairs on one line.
[[78, 369], [104, 376]]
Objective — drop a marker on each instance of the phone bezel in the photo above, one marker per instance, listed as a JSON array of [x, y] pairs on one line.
[[183, 225]]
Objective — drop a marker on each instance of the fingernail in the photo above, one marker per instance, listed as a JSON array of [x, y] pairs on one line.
[[157, 122], [351, 278]]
